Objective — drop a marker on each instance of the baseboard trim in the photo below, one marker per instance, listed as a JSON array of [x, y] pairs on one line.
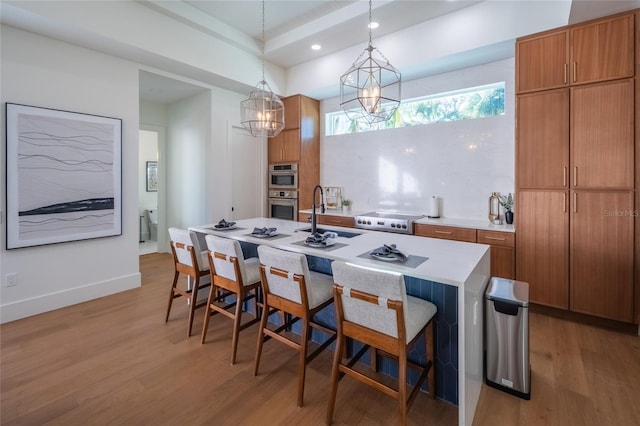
[[48, 302]]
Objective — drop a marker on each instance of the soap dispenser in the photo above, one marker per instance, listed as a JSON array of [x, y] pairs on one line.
[[494, 207]]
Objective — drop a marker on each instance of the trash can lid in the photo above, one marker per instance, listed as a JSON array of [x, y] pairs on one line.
[[511, 291]]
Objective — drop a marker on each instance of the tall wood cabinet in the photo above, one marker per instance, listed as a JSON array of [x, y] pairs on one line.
[[576, 155], [299, 143]]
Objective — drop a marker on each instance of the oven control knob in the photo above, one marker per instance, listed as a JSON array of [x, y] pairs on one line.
[[393, 225], [404, 226], [368, 222]]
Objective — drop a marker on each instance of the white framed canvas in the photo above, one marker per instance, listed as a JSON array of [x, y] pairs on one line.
[[64, 176]]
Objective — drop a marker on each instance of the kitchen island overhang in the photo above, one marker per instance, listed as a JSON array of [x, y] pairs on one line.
[[454, 276]]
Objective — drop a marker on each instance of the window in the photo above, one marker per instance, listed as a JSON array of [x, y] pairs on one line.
[[474, 102]]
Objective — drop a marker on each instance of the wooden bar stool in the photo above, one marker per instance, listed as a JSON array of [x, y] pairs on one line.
[[289, 286], [232, 275], [191, 260], [372, 307]]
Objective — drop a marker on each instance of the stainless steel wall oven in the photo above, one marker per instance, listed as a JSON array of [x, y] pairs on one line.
[[283, 204], [283, 176]]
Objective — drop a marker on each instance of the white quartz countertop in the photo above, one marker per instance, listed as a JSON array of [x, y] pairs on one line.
[[443, 221], [449, 262]]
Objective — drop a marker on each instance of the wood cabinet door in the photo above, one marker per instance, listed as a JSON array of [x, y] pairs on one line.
[[542, 139], [291, 145], [445, 232], [291, 112], [603, 50], [503, 262], [602, 254], [274, 148], [336, 220], [542, 246], [602, 135], [542, 61]]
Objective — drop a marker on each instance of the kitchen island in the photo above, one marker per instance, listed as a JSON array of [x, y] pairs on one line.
[[452, 275]]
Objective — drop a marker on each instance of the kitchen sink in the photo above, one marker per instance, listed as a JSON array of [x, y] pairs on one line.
[[344, 234]]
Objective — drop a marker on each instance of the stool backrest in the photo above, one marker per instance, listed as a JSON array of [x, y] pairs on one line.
[[293, 264], [183, 244], [386, 286], [224, 267]]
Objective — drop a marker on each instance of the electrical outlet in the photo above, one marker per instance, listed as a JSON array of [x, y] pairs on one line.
[[11, 280]]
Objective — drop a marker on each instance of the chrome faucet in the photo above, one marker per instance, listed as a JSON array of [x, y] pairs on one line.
[[313, 209]]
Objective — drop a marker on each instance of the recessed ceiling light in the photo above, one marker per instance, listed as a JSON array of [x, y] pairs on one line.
[[316, 47], [373, 25]]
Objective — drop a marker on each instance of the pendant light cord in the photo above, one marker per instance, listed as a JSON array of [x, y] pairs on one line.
[[263, 43]]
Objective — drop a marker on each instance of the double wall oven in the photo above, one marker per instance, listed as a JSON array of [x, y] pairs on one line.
[[283, 191]]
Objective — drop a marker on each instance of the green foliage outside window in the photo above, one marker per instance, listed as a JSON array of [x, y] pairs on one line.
[[463, 104]]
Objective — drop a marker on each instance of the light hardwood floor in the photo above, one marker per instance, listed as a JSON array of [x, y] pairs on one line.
[[114, 361]]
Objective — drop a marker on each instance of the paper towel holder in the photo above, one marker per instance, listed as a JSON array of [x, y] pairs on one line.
[[434, 208]]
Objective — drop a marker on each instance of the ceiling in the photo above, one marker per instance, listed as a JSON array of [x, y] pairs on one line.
[[292, 26]]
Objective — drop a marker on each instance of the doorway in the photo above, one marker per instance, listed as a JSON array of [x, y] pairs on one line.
[[148, 187]]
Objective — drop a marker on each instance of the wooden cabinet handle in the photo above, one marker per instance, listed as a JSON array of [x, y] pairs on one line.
[[443, 232], [575, 72], [495, 238], [575, 176], [564, 176], [566, 66], [564, 202], [575, 202]]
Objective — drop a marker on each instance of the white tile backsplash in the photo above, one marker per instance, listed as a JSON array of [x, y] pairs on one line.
[[461, 162]]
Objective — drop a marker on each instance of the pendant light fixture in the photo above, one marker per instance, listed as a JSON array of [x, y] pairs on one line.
[[262, 113], [370, 89]]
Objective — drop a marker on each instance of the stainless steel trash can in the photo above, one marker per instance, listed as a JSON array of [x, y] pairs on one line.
[[507, 336]]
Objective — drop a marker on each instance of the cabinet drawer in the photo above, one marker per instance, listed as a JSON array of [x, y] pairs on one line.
[[346, 221], [445, 232], [497, 238]]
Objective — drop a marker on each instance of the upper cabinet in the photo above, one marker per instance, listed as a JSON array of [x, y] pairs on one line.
[[602, 50], [291, 112], [595, 51], [285, 147], [541, 61]]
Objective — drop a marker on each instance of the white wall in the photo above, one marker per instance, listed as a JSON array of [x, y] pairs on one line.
[[44, 72], [400, 169], [188, 134]]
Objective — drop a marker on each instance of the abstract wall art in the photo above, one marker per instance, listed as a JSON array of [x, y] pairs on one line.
[[64, 176]]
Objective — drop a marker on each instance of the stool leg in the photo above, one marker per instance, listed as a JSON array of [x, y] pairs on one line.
[[430, 352], [236, 326], [335, 372], [402, 386], [192, 306], [171, 293], [263, 324], [302, 361], [207, 312]]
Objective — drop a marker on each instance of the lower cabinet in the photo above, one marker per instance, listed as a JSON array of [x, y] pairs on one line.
[[502, 244], [328, 219], [602, 254], [576, 248], [445, 232], [503, 252], [542, 249]]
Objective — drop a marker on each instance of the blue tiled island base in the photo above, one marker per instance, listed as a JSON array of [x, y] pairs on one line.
[[444, 296]]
